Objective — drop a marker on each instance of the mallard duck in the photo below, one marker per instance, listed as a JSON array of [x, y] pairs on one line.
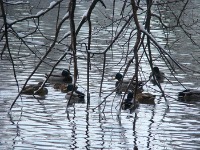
[[158, 75], [74, 95], [128, 103], [30, 89], [189, 95], [122, 85], [34, 90], [64, 76], [145, 98]]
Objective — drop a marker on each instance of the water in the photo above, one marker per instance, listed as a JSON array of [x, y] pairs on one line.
[[45, 124]]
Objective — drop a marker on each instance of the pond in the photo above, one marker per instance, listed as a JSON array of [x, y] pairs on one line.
[[44, 123]]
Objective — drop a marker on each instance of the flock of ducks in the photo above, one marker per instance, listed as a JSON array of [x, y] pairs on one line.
[[140, 97], [63, 82], [156, 77]]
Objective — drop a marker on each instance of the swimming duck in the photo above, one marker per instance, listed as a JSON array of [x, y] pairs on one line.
[[128, 103], [29, 89], [75, 95], [33, 90], [64, 76], [189, 95], [122, 85], [145, 98], [159, 76]]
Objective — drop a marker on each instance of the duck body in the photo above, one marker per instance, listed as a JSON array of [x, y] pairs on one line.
[[128, 103], [35, 90], [61, 86], [30, 89], [63, 76], [121, 85], [189, 95], [158, 75], [145, 98], [74, 95]]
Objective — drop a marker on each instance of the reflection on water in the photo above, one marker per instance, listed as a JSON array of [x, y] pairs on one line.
[[45, 124]]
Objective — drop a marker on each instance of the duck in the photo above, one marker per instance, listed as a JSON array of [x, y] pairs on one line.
[[189, 95], [30, 89], [34, 89], [63, 76], [145, 98], [122, 85], [158, 75], [74, 95], [128, 102]]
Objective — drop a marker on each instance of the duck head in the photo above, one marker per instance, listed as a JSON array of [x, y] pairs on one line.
[[156, 70], [70, 87], [130, 95], [118, 76], [66, 73]]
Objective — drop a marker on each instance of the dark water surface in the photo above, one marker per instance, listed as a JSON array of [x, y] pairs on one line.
[[44, 123]]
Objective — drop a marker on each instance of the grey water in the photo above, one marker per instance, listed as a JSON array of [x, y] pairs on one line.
[[43, 123]]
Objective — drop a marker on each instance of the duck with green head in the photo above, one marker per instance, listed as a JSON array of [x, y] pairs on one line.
[[122, 84], [63, 76], [158, 75], [74, 95], [128, 103], [189, 95]]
